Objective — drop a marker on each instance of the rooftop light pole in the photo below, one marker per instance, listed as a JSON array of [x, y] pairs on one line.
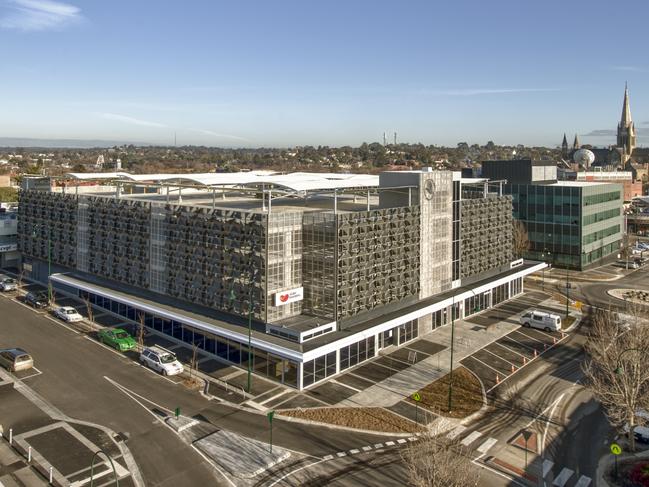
[[450, 377]]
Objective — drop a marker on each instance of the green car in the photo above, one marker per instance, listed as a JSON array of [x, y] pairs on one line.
[[117, 339]]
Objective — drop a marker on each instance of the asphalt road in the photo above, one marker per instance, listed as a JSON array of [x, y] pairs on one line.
[[74, 379]]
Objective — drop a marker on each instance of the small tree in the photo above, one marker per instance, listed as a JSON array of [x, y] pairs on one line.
[[616, 368], [439, 462], [520, 239], [140, 331], [89, 310]]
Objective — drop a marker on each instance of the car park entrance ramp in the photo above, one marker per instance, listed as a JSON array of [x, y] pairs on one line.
[[241, 457]]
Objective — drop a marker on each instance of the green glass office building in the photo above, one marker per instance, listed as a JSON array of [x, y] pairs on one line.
[[570, 223]]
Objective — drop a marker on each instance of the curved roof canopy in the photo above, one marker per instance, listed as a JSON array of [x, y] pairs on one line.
[[295, 182]]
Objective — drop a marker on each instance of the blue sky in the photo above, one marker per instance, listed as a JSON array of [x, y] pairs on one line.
[[285, 73]]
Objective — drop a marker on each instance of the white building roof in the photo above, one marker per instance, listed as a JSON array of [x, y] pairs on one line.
[[297, 181]]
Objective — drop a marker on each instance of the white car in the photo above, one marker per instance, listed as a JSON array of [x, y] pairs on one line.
[[8, 284], [68, 313], [161, 360]]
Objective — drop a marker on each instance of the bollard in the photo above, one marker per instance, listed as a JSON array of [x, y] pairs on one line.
[[11, 435], [535, 353], [29, 454], [524, 360], [545, 346], [554, 340], [513, 369], [51, 474], [497, 379]]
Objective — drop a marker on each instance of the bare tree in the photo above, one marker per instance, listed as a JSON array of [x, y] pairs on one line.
[[89, 310], [193, 364], [140, 331], [616, 368], [439, 462], [520, 238]]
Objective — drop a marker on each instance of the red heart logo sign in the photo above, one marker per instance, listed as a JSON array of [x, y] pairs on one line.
[[283, 298]]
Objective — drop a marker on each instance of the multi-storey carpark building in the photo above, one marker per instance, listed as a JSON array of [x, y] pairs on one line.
[[331, 268]]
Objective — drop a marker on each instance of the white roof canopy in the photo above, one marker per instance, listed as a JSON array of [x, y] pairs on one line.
[[296, 182]]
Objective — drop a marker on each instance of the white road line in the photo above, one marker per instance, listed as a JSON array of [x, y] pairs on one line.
[[389, 443], [459, 429], [327, 457], [583, 481], [498, 356], [486, 446], [38, 372], [552, 405], [511, 479], [563, 477], [378, 445], [485, 364], [528, 336], [547, 466], [366, 448], [471, 438], [511, 350], [547, 424], [354, 451], [96, 342], [341, 454], [132, 395], [294, 471], [412, 438], [401, 441]]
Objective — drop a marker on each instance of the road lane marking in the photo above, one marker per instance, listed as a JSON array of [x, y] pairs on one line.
[[354, 451], [563, 477], [38, 372], [389, 443], [378, 445], [134, 396], [485, 364], [547, 424], [583, 481], [471, 438], [401, 441], [327, 457], [498, 356], [366, 448], [295, 471], [341, 454], [456, 432], [486, 446]]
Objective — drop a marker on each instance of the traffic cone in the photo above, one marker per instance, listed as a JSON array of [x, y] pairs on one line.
[[497, 379]]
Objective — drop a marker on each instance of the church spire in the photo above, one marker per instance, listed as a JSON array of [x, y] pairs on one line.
[[626, 108], [576, 145], [564, 147]]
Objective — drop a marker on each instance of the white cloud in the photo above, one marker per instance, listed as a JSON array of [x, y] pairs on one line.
[[215, 134], [36, 15], [130, 120], [633, 69], [486, 91]]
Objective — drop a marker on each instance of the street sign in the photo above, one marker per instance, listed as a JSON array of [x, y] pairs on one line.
[[578, 304], [270, 415], [177, 412], [616, 449], [416, 397]]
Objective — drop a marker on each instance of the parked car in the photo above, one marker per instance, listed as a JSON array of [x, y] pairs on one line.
[[8, 284], [15, 359], [541, 320], [161, 360], [37, 300], [117, 338], [641, 434], [67, 313]]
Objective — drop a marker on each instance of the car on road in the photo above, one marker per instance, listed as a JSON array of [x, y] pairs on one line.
[[8, 284], [37, 300], [68, 313], [161, 360], [116, 338], [15, 359], [541, 320]]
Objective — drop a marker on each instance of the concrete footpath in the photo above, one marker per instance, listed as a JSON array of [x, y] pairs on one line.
[[469, 338]]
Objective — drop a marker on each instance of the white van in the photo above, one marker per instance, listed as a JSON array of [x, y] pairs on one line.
[[541, 320]]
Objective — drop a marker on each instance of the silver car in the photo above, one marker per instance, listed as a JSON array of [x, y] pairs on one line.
[[15, 359], [8, 284]]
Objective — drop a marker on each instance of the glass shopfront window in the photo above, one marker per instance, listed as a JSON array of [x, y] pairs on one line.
[[264, 363]]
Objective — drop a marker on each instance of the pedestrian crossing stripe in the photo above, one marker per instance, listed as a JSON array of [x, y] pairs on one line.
[[471, 438], [456, 432], [563, 477], [484, 448]]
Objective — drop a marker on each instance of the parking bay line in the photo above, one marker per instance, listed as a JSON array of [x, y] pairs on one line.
[[487, 365], [529, 336], [498, 356]]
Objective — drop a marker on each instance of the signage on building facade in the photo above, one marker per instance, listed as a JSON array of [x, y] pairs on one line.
[[8, 247], [290, 296]]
